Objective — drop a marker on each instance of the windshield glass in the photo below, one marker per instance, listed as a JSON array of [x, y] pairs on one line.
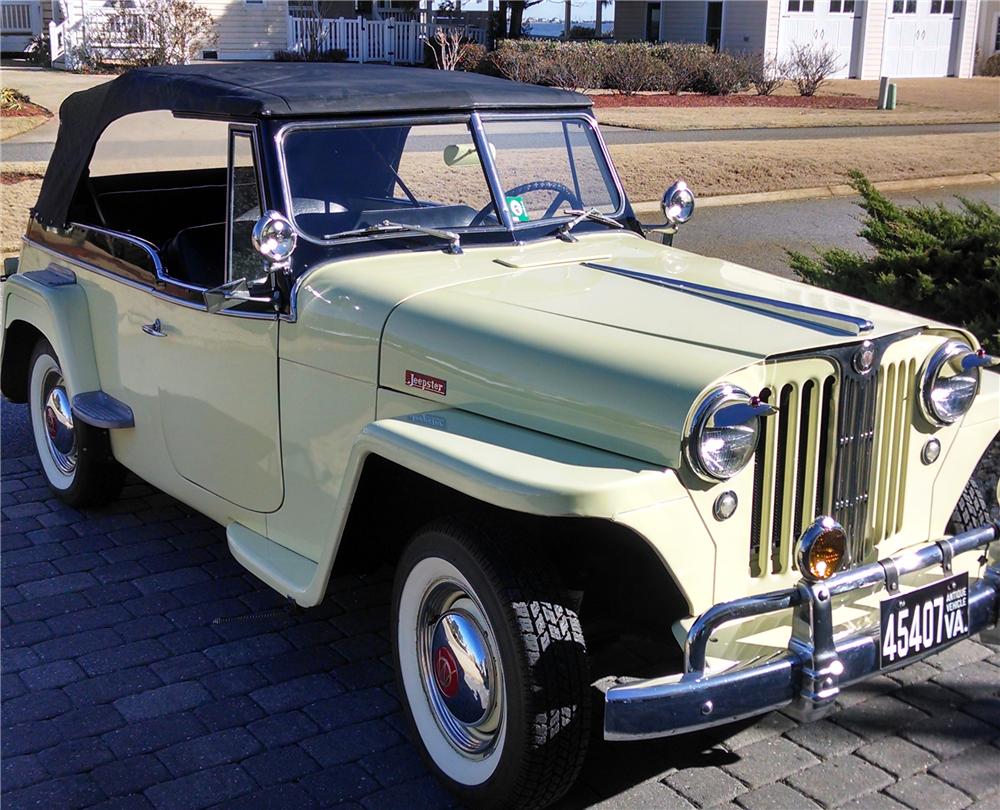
[[549, 166], [344, 180], [350, 178]]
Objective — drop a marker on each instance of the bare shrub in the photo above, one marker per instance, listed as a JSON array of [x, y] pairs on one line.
[[472, 57], [448, 46], [724, 74], [991, 66], [523, 60], [148, 32], [681, 65], [809, 67], [576, 65], [766, 74], [630, 67]]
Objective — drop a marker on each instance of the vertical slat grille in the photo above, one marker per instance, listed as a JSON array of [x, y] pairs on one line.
[[855, 436], [789, 476], [838, 446], [896, 389]]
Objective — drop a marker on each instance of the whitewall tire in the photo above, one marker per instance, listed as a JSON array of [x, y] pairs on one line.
[[76, 458], [491, 666]]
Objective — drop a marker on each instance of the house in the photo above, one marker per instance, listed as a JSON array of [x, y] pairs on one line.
[[872, 38], [373, 30]]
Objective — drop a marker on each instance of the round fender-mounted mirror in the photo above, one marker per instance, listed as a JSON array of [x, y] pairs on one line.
[[274, 237], [678, 203]]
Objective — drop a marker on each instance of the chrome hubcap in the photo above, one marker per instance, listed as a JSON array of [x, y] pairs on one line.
[[461, 669], [57, 417]]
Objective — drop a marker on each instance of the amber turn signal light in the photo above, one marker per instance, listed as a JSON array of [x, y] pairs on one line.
[[821, 549]]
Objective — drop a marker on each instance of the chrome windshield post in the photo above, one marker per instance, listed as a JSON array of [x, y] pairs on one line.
[[492, 176]]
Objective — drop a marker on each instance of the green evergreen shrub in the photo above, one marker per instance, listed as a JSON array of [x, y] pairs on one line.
[[927, 260]]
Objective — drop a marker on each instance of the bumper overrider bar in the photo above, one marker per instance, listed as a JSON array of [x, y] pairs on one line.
[[807, 677]]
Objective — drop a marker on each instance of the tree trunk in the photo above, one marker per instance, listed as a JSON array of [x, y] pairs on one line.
[[516, 18], [500, 29]]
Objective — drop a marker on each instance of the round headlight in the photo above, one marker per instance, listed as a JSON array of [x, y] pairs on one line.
[[950, 382], [723, 433]]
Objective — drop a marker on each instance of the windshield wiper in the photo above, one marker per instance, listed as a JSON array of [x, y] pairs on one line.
[[579, 216], [385, 226]]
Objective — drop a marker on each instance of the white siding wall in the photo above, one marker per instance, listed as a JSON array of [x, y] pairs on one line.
[[744, 25], [630, 20], [873, 35], [772, 20], [248, 31], [964, 61], [683, 20]]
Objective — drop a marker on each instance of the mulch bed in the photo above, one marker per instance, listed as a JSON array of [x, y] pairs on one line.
[[698, 100], [10, 178], [26, 110]]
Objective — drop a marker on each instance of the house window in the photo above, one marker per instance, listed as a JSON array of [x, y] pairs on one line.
[[801, 5]]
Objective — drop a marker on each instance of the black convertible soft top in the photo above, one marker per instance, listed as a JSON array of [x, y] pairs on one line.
[[255, 90]]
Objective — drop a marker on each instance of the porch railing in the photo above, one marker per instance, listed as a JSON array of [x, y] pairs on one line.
[[21, 17], [396, 42]]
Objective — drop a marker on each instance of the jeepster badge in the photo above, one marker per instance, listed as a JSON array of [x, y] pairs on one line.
[[426, 383], [864, 358]]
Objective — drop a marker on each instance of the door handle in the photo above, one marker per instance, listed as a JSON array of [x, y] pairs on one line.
[[154, 329]]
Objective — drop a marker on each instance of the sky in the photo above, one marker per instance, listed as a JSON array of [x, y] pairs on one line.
[[582, 9]]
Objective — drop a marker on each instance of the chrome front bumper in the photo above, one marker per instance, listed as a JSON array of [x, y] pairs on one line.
[[807, 677]]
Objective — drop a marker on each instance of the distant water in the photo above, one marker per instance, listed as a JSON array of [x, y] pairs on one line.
[[543, 29]]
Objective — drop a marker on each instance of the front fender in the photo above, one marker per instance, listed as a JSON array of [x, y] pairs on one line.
[[514, 469], [54, 304]]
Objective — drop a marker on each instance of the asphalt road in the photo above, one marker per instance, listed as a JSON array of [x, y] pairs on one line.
[[757, 235]]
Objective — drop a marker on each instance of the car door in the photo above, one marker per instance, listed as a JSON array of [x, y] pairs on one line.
[[217, 373]]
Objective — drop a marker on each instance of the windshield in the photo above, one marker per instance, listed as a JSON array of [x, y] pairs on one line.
[[549, 166], [350, 181]]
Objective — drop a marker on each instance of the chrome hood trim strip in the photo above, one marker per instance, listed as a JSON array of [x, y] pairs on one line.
[[848, 324]]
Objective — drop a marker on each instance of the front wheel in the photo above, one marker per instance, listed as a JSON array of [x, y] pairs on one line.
[[76, 457], [491, 666]]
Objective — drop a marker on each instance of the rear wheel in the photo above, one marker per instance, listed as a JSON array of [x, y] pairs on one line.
[[491, 666], [76, 457]]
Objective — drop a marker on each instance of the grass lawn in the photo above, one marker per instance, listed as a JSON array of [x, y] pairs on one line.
[[920, 101]]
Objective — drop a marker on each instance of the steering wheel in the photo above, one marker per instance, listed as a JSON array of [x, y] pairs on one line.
[[562, 193]]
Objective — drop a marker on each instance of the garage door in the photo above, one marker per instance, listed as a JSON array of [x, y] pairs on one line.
[[819, 23], [918, 37]]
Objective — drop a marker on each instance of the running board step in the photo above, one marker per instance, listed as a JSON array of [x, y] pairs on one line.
[[102, 411], [287, 572]]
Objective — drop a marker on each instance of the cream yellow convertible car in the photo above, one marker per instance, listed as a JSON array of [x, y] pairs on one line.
[[368, 315]]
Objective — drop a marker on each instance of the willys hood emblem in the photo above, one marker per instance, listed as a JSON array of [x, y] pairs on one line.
[[839, 321]]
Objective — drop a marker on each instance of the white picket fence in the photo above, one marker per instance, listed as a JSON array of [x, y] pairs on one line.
[[396, 42]]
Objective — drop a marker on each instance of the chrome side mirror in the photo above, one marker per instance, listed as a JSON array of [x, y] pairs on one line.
[[677, 203], [274, 238]]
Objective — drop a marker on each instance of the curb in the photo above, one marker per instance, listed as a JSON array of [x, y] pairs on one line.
[[834, 190]]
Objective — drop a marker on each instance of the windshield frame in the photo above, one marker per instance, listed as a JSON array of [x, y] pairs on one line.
[[474, 122]]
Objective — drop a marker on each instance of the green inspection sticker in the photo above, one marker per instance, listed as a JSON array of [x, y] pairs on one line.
[[518, 209]]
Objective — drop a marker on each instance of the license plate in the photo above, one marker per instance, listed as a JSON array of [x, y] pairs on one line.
[[924, 619]]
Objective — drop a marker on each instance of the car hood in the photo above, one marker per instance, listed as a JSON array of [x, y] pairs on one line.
[[564, 343]]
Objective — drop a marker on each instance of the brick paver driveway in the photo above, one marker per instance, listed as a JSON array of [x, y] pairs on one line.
[[142, 667]]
